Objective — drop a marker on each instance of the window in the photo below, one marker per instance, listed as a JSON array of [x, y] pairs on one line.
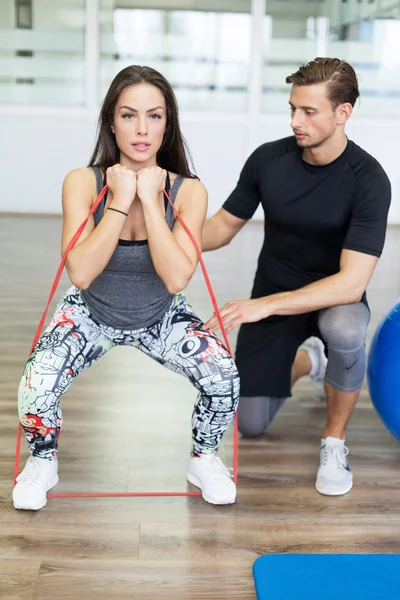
[[196, 50], [42, 52], [297, 32]]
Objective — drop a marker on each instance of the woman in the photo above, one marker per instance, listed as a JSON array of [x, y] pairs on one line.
[[128, 269]]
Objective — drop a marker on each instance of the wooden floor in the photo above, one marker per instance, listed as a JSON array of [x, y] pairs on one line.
[[127, 428]]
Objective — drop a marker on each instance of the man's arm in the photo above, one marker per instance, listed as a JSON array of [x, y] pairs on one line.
[[220, 230], [345, 287], [239, 207]]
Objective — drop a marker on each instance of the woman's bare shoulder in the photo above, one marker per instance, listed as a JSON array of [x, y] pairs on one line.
[[79, 186], [194, 186], [81, 174], [80, 181], [192, 196]]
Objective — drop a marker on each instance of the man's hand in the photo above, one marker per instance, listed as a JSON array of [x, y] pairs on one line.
[[237, 312]]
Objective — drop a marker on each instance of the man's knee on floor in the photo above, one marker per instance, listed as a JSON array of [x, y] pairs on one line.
[[255, 413], [248, 428]]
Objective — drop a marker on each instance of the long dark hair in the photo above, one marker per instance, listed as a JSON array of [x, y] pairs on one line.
[[172, 154]]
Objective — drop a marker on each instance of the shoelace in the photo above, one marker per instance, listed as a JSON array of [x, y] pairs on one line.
[[335, 454], [31, 474], [219, 469]]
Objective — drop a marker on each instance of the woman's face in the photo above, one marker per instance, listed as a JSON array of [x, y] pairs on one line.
[[140, 118]]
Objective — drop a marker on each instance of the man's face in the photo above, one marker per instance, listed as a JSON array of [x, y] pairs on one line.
[[314, 121]]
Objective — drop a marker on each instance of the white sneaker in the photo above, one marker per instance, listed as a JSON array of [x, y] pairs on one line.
[[334, 477], [209, 473], [37, 478], [316, 352]]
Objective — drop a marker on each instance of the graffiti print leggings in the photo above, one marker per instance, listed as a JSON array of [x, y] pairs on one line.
[[73, 341]]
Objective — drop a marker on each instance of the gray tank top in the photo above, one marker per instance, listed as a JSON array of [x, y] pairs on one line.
[[129, 294]]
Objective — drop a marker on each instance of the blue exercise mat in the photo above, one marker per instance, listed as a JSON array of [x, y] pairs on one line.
[[327, 577]]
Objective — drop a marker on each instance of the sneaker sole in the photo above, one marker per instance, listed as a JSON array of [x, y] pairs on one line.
[[194, 481], [331, 492], [41, 505]]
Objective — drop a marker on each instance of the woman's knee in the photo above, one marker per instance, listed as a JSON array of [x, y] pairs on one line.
[[225, 365], [41, 384], [24, 393], [231, 376]]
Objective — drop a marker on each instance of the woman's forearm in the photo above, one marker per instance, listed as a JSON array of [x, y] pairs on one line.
[[88, 259], [169, 259]]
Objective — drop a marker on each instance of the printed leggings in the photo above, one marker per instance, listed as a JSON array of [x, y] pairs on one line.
[[73, 341]]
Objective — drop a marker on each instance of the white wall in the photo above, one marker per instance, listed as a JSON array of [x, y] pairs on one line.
[[37, 150]]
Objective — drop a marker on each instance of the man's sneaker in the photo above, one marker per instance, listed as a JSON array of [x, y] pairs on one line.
[[316, 352], [209, 473], [334, 477], [37, 478]]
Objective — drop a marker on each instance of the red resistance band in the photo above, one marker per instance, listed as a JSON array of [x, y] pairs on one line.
[[39, 331]]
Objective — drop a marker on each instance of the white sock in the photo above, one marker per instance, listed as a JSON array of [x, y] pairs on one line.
[[333, 440], [313, 371], [314, 366]]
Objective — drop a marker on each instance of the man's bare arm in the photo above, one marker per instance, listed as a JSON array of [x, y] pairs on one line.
[[220, 229]]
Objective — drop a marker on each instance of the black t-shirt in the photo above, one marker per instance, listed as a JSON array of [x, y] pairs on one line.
[[311, 212]]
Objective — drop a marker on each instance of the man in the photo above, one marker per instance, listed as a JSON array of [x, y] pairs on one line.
[[326, 203]]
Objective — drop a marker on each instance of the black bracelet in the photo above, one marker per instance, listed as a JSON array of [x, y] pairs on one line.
[[116, 210]]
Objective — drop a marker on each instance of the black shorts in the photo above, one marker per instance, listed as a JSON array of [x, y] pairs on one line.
[[266, 350]]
